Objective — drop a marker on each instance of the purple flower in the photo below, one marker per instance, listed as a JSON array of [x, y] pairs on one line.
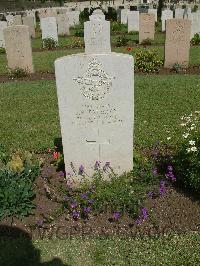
[[138, 221], [162, 189], [40, 223], [73, 205], [81, 169], [155, 171], [116, 215], [150, 195], [87, 209], [75, 214], [66, 198], [144, 213], [170, 168], [97, 165], [61, 174], [84, 196], [91, 201]]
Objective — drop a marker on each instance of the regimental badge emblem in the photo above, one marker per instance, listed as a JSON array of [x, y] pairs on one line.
[[95, 82]]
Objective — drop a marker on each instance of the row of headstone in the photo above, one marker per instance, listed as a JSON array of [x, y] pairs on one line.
[[193, 17], [97, 38]]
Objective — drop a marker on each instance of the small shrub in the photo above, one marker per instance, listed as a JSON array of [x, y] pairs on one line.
[[2, 50], [118, 28], [79, 31], [196, 39], [16, 194], [17, 73], [76, 42], [147, 61], [176, 67], [187, 159], [122, 41], [17, 174], [49, 43], [147, 42]]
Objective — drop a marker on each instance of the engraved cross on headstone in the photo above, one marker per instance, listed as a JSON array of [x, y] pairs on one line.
[[98, 141]]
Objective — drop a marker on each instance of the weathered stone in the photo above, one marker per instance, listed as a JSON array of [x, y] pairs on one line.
[[166, 14], [49, 28], [29, 21], [146, 27], [63, 24], [18, 48], [177, 44], [153, 11], [3, 25], [97, 34], [133, 21], [73, 17]]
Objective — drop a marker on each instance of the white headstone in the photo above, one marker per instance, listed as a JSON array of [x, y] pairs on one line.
[[49, 28], [179, 13], [133, 21], [10, 19], [3, 25], [195, 26], [97, 34], [29, 21], [63, 24], [73, 17], [17, 20], [124, 16], [95, 97], [166, 14], [153, 11]]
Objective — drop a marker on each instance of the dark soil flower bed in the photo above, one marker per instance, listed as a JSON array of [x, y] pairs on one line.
[[174, 211]]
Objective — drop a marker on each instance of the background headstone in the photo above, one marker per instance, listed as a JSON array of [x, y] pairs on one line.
[[18, 48], [124, 16], [73, 17], [49, 28], [29, 21], [63, 24], [133, 21], [10, 19], [146, 27], [153, 11], [97, 34], [17, 20], [95, 96], [177, 44], [179, 13], [3, 25], [166, 14]]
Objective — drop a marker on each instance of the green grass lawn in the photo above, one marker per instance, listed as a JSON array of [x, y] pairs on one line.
[[29, 112], [170, 250]]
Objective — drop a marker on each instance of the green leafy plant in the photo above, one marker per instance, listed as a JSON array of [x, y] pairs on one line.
[[196, 39], [16, 194], [49, 43], [79, 31], [17, 174], [147, 61], [118, 28], [122, 41], [187, 158], [17, 73], [147, 42], [2, 50], [176, 67]]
